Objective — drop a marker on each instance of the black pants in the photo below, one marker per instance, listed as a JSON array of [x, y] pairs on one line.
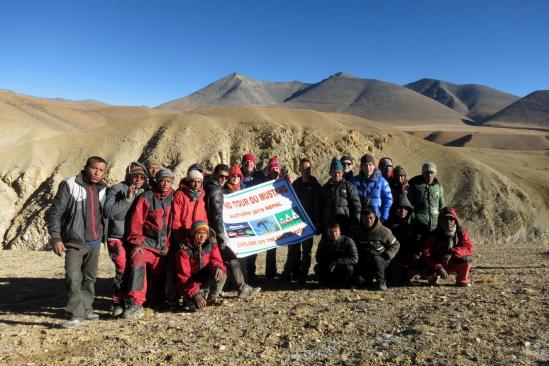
[[372, 266], [80, 274], [209, 286], [298, 261], [341, 276], [270, 264]]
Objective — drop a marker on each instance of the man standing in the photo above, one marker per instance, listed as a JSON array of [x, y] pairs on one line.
[[372, 188], [120, 199], [214, 207], [75, 225], [252, 176], [149, 242], [427, 196], [347, 162], [307, 190], [339, 200]]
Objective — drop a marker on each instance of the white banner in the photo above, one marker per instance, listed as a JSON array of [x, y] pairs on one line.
[[264, 217]]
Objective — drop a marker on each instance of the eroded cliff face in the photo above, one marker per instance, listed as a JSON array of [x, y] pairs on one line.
[[493, 206]]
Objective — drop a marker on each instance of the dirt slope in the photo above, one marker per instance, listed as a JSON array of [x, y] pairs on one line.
[[531, 111]]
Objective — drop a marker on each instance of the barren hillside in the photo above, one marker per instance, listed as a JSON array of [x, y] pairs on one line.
[[493, 201]]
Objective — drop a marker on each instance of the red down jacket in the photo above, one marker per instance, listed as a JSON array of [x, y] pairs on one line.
[[190, 259], [186, 211], [437, 245]]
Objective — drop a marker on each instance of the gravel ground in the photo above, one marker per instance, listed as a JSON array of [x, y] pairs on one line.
[[502, 319]]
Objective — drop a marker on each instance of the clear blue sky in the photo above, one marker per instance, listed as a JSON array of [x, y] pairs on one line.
[[149, 52]]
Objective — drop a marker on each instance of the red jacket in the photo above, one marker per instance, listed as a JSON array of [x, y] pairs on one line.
[[150, 222], [190, 259], [437, 245], [186, 211]]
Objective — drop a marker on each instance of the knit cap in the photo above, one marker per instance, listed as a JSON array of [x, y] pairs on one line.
[[137, 169], [235, 170], [429, 167], [198, 226], [367, 158], [385, 162], [163, 173], [273, 163], [335, 164], [194, 175], [248, 156], [153, 162]]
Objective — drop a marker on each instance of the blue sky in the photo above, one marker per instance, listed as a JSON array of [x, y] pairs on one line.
[[150, 52]]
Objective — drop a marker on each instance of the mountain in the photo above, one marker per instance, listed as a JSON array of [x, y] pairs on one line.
[[477, 102], [236, 90], [530, 111], [342, 93]]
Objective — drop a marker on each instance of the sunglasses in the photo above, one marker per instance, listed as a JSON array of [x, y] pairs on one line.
[[347, 164]]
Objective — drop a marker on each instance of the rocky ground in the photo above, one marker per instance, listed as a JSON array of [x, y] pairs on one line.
[[502, 319]]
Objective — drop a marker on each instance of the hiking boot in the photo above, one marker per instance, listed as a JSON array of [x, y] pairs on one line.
[[91, 316], [248, 292], [433, 280], [72, 323], [381, 286], [116, 310], [189, 306], [464, 284], [216, 301], [133, 311]]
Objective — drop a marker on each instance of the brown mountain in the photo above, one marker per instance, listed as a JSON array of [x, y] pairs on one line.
[[342, 93], [477, 102], [530, 111]]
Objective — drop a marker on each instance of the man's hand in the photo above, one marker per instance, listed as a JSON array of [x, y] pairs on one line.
[[200, 301], [332, 266], [218, 273], [59, 248], [131, 192], [442, 273]]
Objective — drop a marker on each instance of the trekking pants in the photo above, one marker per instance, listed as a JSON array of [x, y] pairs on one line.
[[146, 277], [117, 252], [80, 272]]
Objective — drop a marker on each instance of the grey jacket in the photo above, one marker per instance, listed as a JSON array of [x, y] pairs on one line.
[[65, 218]]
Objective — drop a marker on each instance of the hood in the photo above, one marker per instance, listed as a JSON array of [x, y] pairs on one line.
[[402, 201], [448, 211], [128, 178]]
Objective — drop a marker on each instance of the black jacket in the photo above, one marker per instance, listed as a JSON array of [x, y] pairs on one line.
[[65, 218], [214, 206], [342, 251], [309, 196], [402, 228], [340, 199]]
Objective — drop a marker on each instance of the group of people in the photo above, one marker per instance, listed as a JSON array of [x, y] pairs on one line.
[[169, 246]]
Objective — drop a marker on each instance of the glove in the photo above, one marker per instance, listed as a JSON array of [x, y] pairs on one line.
[[442, 273]]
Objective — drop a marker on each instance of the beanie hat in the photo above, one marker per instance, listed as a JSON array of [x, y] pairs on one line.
[[367, 158], [137, 169], [196, 166], [335, 164], [273, 163], [199, 226], [346, 157], [385, 162], [152, 162], [235, 170], [163, 173], [194, 175], [429, 167], [248, 156]]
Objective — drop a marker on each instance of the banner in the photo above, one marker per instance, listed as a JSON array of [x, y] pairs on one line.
[[264, 217]]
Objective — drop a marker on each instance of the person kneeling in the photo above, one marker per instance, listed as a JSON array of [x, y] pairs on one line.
[[377, 246], [448, 249], [200, 273], [336, 258]]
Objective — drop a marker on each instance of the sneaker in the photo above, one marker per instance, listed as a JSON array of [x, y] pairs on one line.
[[91, 316], [464, 284], [133, 311], [248, 292], [116, 310], [72, 323], [216, 301]]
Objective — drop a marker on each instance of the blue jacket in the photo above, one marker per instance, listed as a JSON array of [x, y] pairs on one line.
[[375, 192]]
